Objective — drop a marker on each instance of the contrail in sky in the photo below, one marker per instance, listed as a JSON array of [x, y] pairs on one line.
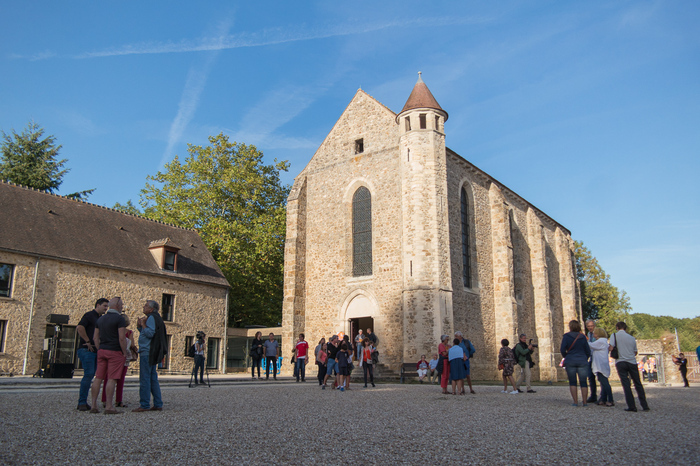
[[263, 38]]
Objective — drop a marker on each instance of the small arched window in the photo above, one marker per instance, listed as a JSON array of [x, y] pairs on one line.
[[466, 256], [362, 232]]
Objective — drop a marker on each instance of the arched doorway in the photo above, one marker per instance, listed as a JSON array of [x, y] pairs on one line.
[[360, 310]]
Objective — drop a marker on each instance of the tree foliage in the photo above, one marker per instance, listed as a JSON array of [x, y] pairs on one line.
[[238, 206], [600, 300], [30, 159], [656, 327]]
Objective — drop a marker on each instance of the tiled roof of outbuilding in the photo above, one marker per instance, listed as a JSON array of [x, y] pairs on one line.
[[421, 97], [37, 223]]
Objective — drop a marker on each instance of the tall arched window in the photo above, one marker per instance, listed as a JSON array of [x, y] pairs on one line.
[[362, 232], [466, 256]]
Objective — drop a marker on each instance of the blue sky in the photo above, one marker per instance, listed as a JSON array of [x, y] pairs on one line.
[[589, 110]]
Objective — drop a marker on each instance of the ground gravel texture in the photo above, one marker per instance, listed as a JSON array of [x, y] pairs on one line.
[[289, 423]]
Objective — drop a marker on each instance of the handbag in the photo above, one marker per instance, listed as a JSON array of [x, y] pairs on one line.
[[614, 353], [562, 364]]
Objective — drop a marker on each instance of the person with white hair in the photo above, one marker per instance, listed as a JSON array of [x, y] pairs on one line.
[[152, 349]]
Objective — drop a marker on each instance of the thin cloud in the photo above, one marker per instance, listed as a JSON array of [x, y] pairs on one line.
[[189, 101], [265, 37]]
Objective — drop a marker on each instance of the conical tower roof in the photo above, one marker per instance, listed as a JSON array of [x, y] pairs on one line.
[[421, 97]]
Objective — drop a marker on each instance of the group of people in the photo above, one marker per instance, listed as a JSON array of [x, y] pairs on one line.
[[340, 357], [453, 364], [107, 347], [268, 350], [586, 357]]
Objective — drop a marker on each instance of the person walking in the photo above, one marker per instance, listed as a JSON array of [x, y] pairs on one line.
[[87, 352], [153, 347], [626, 366], [506, 363], [600, 365], [575, 351], [256, 354]]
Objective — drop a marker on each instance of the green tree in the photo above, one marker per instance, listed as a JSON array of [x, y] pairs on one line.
[[30, 159], [600, 300], [238, 206]]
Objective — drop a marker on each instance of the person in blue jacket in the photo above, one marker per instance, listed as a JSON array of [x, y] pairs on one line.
[[575, 351]]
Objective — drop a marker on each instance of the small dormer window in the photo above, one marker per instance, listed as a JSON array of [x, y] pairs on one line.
[[169, 261], [165, 254]]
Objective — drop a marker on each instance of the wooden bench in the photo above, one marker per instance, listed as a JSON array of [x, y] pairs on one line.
[[408, 369]]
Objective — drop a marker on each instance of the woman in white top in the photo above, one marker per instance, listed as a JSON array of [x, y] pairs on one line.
[[601, 365]]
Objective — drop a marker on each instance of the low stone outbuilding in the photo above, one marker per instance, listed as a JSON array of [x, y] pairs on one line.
[[387, 228], [58, 256]]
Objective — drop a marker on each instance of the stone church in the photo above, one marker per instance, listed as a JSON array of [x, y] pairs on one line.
[[389, 229]]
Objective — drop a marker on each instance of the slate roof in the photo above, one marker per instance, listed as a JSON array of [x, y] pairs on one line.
[[37, 223], [421, 97]]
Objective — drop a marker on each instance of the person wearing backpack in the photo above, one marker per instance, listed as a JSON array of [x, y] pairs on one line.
[[469, 351], [523, 358]]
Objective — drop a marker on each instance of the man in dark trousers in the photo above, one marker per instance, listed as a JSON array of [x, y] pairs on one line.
[[626, 366], [153, 344], [87, 352], [590, 326]]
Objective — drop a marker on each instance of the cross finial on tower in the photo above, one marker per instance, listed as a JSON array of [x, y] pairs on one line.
[[420, 80]]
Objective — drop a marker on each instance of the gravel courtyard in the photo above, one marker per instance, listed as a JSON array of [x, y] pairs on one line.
[[288, 423]]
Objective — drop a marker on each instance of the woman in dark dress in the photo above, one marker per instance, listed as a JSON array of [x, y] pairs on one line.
[[256, 353]]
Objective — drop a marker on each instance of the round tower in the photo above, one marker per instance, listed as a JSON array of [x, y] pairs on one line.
[[427, 283]]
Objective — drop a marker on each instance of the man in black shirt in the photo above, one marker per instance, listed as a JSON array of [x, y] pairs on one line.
[[332, 348], [110, 337], [87, 351]]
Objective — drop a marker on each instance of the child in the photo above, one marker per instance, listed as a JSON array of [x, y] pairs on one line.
[[342, 360], [506, 362]]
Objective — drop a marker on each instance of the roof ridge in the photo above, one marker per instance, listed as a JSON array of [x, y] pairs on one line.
[[375, 99], [10, 183]]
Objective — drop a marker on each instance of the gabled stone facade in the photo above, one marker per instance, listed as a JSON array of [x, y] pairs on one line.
[[519, 277]]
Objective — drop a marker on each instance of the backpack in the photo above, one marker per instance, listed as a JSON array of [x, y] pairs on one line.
[[190, 353]]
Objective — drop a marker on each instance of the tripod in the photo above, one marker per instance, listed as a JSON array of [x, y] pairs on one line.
[[206, 371]]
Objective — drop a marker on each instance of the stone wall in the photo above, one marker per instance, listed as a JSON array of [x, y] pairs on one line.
[[522, 276], [72, 289]]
